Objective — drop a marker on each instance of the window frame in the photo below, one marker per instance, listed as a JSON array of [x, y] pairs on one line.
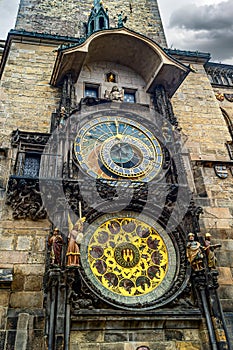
[[90, 86], [132, 92]]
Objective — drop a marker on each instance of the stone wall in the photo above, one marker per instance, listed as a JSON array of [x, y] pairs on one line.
[[21, 312], [120, 333], [205, 134], [69, 17], [27, 99]]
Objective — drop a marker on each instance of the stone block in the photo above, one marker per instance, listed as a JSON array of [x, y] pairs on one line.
[[175, 334], [227, 305], [113, 346], [83, 346], [26, 300], [224, 258], [16, 257], [191, 334], [7, 243], [221, 213], [18, 282], [26, 269], [225, 276], [226, 293], [112, 337], [4, 297], [36, 258], [188, 346], [147, 335], [87, 337], [33, 283]]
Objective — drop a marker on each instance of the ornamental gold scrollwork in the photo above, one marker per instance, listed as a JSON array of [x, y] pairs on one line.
[[127, 256]]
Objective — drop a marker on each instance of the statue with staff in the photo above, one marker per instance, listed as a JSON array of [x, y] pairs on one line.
[[74, 239]]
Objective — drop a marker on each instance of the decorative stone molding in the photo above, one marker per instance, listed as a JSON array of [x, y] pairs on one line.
[[23, 195]]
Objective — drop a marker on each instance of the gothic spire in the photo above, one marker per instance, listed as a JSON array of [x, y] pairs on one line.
[[98, 19]]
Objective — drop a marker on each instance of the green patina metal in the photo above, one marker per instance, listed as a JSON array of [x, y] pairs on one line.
[[98, 19]]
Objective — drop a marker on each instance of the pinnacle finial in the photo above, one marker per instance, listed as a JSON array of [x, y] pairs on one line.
[[98, 19]]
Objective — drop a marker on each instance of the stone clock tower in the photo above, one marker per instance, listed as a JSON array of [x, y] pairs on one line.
[[102, 192]]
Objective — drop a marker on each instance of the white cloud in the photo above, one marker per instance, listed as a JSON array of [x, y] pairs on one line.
[[8, 10], [204, 25]]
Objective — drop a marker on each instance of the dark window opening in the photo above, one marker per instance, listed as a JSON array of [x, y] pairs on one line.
[[31, 165], [129, 96], [92, 26], [101, 23], [91, 90], [28, 164]]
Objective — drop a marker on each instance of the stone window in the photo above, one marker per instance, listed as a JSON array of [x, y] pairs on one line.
[[28, 148], [101, 23], [28, 164], [220, 74], [91, 90], [129, 95]]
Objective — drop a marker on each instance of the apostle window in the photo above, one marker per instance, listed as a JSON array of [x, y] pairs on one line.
[[91, 90], [129, 95]]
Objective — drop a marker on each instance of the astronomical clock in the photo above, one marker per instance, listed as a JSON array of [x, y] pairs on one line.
[[118, 148], [128, 257]]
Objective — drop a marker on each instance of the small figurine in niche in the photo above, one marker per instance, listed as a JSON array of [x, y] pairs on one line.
[[194, 253], [74, 239], [210, 248], [115, 94], [55, 242], [111, 78]]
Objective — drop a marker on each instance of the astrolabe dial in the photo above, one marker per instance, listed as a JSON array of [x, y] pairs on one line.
[[129, 260], [118, 148]]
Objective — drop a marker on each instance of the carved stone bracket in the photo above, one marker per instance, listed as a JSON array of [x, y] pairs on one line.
[[23, 195], [29, 138]]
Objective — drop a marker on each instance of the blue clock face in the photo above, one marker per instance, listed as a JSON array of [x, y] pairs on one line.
[[118, 148]]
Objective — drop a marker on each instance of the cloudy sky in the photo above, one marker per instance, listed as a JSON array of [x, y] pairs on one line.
[[203, 25]]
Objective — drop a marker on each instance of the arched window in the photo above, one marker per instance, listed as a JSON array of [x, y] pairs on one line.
[[101, 23], [92, 26]]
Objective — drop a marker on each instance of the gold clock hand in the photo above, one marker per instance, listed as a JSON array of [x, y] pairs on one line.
[[117, 127]]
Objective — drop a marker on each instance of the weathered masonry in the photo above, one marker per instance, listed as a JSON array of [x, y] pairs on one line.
[[116, 183]]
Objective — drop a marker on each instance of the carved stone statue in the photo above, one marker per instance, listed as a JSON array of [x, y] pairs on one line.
[[194, 253], [74, 239], [55, 242], [210, 248], [115, 94]]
